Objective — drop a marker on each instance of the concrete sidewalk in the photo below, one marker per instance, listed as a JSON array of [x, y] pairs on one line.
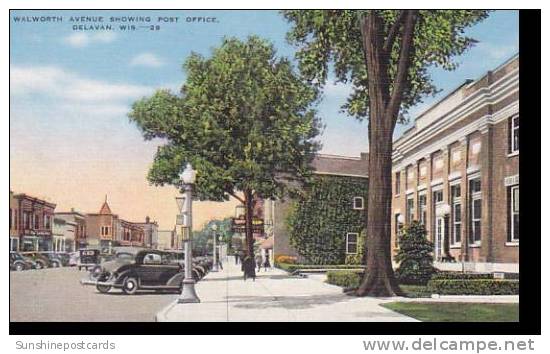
[[275, 297]]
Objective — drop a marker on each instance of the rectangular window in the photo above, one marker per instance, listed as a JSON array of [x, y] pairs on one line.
[[422, 208], [351, 242], [514, 135], [410, 210], [46, 221], [26, 221], [36, 222], [456, 216], [358, 203], [514, 214], [11, 218], [398, 226], [475, 211], [397, 183], [438, 196]]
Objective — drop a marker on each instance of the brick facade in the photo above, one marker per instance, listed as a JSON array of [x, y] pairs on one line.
[[459, 159], [31, 222]]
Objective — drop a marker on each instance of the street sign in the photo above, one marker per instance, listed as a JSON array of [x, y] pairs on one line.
[[239, 225], [181, 203]]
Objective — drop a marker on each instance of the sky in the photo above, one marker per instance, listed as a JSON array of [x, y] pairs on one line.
[[70, 90]]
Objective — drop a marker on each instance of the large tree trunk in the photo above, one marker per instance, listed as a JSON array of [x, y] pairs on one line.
[[379, 279], [249, 206]]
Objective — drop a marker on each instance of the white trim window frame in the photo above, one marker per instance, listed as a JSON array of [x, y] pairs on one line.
[[349, 243], [456, 216], [397, 183], [398, 227], [514, 135], [422, 207], [355, 206], [514, 213], [475, 213], [409, 212]]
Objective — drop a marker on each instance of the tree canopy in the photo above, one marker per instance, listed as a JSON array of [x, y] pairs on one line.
[[243, 119], [328, 37]]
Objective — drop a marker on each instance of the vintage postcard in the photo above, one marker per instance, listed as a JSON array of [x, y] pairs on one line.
[[264, 166]]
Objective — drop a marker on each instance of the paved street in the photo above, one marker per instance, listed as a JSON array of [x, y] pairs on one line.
[[275, 296], [56, 295]]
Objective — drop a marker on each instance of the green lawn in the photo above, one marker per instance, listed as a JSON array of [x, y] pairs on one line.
[[456, 311]]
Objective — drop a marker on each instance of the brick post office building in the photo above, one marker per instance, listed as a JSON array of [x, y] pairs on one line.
[[457, 171]]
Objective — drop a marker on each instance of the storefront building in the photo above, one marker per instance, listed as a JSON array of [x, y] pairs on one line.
[[73, 231], [102, 228], [31, 221], [150, 230], [106, 230], [457, 172]]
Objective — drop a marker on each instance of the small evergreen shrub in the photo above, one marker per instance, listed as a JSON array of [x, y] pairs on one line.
[[414, 256], [474, 287]]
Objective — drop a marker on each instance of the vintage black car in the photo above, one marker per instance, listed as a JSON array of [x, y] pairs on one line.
[[18, 262], [56, 259], [40, 260], [149, 270]]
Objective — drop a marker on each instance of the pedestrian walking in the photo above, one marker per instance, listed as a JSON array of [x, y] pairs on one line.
[[259, 262], [236, 257], [267, 264], [218, 259]]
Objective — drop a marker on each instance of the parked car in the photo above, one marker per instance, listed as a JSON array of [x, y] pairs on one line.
[[56, 259], [122, 255], [19, 263], [89, 258], [150, 270], [41, 260]]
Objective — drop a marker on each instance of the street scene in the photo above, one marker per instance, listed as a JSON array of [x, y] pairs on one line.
[[333, 166]]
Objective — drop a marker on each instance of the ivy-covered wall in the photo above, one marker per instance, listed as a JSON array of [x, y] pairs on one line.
[[320, 219]]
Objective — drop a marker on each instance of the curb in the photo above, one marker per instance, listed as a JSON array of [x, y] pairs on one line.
[[161, 316]]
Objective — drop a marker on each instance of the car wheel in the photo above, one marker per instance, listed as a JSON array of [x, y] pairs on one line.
[[130, 286], [19, 267], [55, 264], [103, 288], [39, 265]]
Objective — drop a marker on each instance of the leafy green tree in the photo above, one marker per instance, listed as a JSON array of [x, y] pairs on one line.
[[243, 119], [385, 55], [415, 255], [202, 239]]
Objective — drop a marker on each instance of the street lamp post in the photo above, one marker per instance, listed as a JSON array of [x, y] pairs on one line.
[[215, 257], [188, 294]]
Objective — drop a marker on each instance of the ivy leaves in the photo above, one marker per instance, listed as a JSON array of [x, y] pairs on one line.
[[323, 215]]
